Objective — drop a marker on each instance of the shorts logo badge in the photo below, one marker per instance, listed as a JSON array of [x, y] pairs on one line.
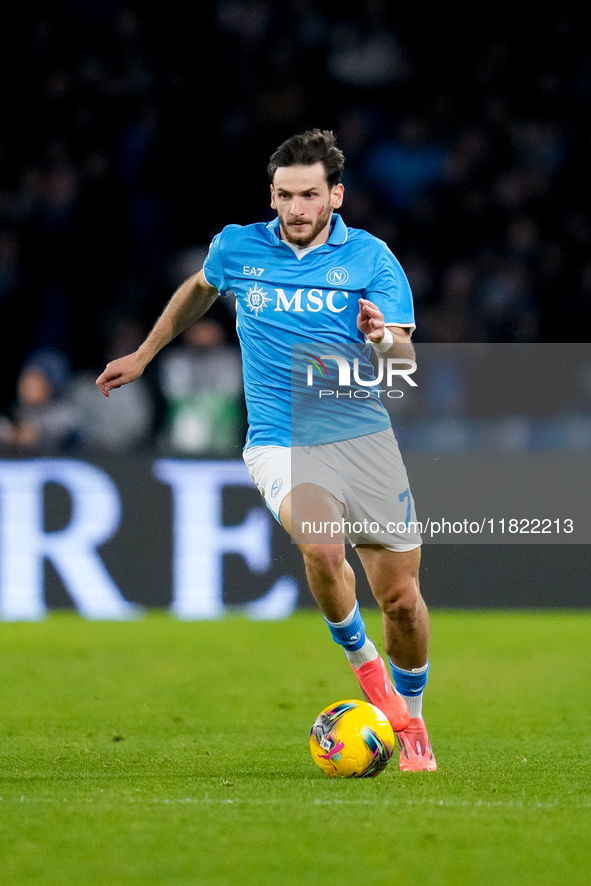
[[337, 276], [277, 484]]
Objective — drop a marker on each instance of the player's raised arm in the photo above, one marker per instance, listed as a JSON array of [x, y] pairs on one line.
[[370, 321], [190, 301]]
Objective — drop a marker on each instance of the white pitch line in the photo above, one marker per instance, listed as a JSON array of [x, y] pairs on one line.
[[331, 801]]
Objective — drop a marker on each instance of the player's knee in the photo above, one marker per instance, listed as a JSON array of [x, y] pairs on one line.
[[326, 560], [402, 603]]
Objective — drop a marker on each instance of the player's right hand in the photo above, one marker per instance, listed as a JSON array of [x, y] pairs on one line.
[[119, 372]]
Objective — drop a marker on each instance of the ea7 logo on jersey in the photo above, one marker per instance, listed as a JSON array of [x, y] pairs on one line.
[[252, 272]]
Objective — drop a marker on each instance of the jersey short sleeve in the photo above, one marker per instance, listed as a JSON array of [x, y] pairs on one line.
[[390, 290], [213, 267]]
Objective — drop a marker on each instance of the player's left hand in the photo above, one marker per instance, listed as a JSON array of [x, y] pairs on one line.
[[370, 320]]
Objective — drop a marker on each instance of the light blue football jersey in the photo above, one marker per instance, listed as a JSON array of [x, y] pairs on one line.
[[292, 310]]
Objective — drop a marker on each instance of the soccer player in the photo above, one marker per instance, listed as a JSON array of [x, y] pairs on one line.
[[306, 279]]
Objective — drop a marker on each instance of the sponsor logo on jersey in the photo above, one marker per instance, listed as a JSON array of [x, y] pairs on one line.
[[297, 301], [257, 299], [313, 300]]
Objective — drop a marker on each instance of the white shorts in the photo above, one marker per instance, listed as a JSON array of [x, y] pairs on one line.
[[366, 474]]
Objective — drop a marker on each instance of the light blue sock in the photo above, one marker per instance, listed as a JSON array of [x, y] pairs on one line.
[[349, 633], [411, 684]]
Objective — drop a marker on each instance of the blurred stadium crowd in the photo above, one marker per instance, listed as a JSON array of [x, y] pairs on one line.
[[131, 134]]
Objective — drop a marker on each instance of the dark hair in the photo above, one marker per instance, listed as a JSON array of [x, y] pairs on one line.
[[308, 148]]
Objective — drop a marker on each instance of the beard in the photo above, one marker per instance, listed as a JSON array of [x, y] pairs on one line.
[[293, 234]]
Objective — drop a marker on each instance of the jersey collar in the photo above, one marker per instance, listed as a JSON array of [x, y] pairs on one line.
[[338, 231]]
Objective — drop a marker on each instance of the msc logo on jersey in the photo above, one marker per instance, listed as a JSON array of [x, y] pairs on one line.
[[256, 298], [313, 300], [337, 276]]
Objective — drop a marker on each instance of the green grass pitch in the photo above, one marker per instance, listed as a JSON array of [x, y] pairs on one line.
[[167, 752]]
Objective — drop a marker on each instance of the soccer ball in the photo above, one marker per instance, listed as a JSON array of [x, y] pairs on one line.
[[351, 739]]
